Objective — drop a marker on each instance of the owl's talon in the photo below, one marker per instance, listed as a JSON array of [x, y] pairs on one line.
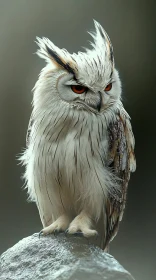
[[56, 232], [40, 233], [82, 226], [58, 226], [66, 232], [79, 234]]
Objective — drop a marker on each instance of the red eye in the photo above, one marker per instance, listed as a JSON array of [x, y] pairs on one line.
[[108, 87], [78, 89]]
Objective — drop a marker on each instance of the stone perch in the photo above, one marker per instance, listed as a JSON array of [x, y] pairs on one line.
[[59, 257]]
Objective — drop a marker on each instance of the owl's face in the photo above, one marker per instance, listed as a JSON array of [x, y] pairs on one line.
[[86, 80]]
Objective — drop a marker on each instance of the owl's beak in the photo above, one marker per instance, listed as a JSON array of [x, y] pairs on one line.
[[94, 100], [99, 102]]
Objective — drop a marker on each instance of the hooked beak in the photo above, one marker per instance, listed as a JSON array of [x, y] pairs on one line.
[[100, 102], [95, 102]]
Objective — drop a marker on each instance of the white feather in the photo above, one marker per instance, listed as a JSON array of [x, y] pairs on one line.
[[67, 152]]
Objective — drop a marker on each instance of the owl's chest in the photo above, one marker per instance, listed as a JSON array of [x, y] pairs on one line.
[[74, 145], [77, 151]]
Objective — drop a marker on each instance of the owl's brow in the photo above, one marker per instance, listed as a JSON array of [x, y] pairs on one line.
[[66, 66]]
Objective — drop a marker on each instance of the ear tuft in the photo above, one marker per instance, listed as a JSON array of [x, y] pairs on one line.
[[44, 44], [101, 38], [51, 53]]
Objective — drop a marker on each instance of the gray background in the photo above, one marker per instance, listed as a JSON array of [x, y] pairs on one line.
[[131, 26]]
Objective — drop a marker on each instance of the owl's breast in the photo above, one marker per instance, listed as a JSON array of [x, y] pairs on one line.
[[74, 145], [72, 158]]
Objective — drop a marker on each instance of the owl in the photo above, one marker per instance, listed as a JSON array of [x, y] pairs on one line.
[[80, 144]]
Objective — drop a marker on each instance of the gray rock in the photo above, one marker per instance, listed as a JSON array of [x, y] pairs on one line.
[[59, 257]]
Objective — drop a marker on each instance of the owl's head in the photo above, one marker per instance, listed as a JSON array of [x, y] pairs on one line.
[[85, 80]]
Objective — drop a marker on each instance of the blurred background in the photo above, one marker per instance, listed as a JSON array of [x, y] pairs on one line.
[[131, 27]]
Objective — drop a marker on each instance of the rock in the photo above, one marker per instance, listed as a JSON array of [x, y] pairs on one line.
[[59, 257]]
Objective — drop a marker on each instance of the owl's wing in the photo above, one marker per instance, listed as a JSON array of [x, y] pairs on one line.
[[121, 160]]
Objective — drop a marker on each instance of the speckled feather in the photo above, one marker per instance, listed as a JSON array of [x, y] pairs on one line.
[[122, 161]]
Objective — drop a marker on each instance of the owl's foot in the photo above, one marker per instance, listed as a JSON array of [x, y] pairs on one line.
[[82, 225], [61, 224]]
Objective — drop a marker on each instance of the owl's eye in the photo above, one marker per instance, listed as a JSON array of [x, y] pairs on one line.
[[108, 87], [78, 89]]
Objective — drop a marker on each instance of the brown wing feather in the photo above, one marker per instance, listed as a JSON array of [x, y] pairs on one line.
[[122, 161]]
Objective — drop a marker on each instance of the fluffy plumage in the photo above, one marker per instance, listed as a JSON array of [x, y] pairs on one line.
[[79, 151]]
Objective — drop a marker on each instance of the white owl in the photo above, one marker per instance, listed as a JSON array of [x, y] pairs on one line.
[[80, 143]]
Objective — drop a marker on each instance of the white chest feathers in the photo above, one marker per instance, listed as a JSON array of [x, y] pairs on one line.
[[67, 158]]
